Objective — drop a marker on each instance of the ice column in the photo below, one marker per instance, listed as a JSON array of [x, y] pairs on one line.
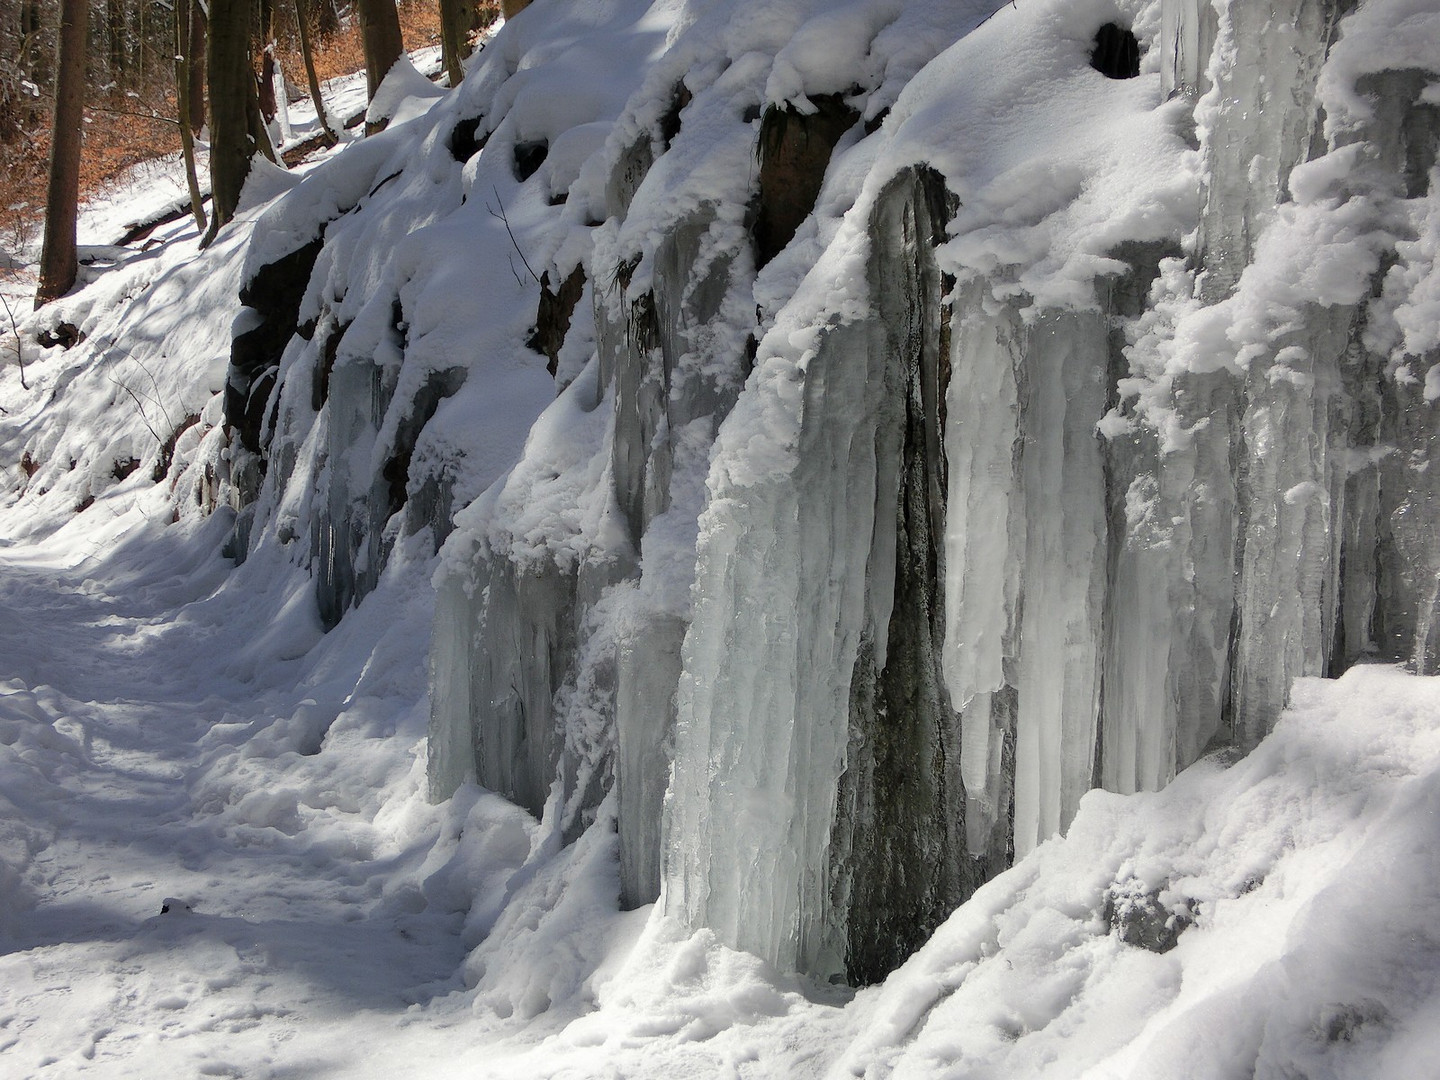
[[778, 607], [1187, 34], [984, 538], [1258, 123], [1290, 491], [349, 545], [1395, 487], [1172, 591], [1064, 570], [647, 673], [897, 849]]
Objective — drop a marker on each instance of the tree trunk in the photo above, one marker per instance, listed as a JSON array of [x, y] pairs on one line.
[[511, 8], [268, 105], [380, 37], [302, 23], [198, 38], [457, 19], [232, 89], [115, 31], [184, 16], [327, 19], [58, 262], [259, 131]]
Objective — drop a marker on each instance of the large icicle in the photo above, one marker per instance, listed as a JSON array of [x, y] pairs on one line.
[[1257, 123], [1064, 578], [1290, 490], [778, 609], [984, 538], [898, 859]]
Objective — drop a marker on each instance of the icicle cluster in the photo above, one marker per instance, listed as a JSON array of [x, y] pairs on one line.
[[917, 466]]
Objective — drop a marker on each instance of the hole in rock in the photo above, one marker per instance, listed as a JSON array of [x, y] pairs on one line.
[[463, 144], [529, 156], [670, 122], [552, 317], [1116, 54]]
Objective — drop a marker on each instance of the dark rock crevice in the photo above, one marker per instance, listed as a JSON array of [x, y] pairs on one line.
[[794, 152], [529, 156], [274, 295], [464, 142], [552, 316], [1117, 53]]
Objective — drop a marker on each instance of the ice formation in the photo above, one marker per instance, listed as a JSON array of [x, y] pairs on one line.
[[855, 543]]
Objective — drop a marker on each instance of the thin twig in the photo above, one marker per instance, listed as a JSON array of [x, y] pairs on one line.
[[19, 342], [506, 222], [156, 384], [138, 115], [139, 406]]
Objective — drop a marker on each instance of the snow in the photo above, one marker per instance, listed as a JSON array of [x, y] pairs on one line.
[[669, 572], [284, 805]]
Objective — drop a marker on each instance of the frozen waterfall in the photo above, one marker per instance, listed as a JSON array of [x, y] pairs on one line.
[[863, 530]]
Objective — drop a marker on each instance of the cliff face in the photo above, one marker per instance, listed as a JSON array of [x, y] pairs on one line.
[[939, 431]]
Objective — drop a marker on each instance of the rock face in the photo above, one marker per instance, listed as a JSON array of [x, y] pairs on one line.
[[873, 524]]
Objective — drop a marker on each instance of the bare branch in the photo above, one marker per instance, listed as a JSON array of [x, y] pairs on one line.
[[509, 232]]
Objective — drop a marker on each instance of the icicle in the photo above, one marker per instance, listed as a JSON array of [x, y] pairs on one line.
[[1064, 575], [1187, 34], [984, 539], [1261, 119], [648, 673]]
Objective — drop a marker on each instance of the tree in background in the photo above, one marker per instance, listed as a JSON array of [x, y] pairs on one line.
[[59, 264], [307, 54], [327, 18], [381, 41], [184, 38], [199, 21], [269, 104], [232, 88], [459, 19]]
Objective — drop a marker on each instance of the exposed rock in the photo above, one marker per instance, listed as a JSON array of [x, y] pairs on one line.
[[167, 449], [552, 317], [66, 335], [529, 156], [273, 295], [794, 151], [1139, 917], [670, 122], [463, 143]]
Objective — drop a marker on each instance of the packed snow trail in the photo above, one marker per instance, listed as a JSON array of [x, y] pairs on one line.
[[137, 735]]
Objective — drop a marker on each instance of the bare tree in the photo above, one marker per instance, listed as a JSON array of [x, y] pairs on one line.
[[184, 16], [59, 264], [232, 89], [302, 24], [380, 38], [458, 18], [327, 18], [268, 105], [199, 21]]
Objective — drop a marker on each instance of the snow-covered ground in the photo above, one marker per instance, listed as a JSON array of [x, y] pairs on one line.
[[175, 729], [177, 732]]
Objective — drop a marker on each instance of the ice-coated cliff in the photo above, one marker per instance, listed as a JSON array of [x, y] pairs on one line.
[[867, 428]]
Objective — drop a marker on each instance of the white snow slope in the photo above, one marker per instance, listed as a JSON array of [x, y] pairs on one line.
[[177, 733]]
